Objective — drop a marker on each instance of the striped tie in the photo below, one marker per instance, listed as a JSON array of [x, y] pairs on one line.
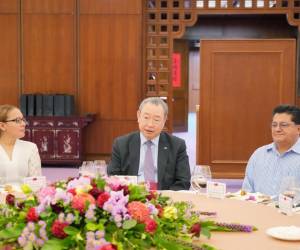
[[149, 169]]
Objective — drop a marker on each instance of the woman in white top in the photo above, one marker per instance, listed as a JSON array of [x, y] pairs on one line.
[[18, 158]]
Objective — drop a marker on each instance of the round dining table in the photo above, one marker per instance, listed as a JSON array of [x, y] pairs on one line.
[[243, 212]]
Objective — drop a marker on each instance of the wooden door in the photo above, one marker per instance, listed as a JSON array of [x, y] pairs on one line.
[[241, 81], [180, 85]]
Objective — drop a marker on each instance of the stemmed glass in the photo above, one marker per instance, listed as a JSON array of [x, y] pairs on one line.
[[200, 175], [101, 167], [86, 168], [291, 188]]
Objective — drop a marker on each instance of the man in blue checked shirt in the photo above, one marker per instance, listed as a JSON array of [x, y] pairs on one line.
[[270, 164]]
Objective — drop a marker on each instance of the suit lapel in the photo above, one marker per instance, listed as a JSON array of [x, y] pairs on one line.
[[134, 154], [163, 155]]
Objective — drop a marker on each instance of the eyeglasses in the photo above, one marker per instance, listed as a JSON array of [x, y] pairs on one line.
[[155, 121], [18, 120], [282, 125]]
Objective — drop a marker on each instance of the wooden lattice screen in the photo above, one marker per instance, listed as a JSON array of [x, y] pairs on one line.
[[167, 19]]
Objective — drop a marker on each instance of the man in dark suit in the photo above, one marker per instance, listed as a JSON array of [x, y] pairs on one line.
[[150, 154]]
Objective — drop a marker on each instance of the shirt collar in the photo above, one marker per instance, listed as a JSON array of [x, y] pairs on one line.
[[144, 139], [295, 147]]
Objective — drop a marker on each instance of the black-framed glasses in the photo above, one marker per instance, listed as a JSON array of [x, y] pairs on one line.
[[18, 120], [282, 125]]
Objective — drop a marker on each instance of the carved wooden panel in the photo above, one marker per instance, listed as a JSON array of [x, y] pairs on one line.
[[167, 19], [68, 143], [45, 141], [59, 139]]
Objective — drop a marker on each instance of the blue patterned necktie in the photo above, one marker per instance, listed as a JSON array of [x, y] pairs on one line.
[[149, 169]]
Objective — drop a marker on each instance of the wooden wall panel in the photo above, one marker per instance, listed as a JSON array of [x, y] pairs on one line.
[[9, 6], [49, 55], [110, 76], [241, 82], [49, 6], [9, 56], [111, 6], [99, 135]]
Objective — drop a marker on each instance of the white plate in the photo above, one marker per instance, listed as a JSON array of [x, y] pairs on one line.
[[284, 233]]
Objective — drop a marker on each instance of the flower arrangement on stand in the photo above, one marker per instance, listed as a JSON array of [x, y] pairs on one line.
[[101, 214]]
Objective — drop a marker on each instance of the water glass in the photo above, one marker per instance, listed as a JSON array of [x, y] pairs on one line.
[[200, 175]]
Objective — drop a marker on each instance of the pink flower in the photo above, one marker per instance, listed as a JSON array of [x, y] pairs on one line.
[[138, 211], [46, 192], [57, 229], [80, 201], [32, 215], [151, 225], [102, 198]]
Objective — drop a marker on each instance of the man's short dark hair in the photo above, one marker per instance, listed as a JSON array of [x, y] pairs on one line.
[[288, 109]]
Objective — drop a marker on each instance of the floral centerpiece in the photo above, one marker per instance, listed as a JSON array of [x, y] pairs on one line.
[[101, 214]]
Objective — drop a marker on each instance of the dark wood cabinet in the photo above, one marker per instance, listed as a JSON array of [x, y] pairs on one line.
[[59, 139]]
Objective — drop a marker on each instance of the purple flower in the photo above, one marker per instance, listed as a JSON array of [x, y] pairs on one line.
[[116, 205], [40, 242], [22, 240], [99, 234], [153, 210], [70, 218], [62, 195], [234, 227]]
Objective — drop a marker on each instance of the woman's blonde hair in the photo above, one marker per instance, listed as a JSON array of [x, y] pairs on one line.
[[4, 110]]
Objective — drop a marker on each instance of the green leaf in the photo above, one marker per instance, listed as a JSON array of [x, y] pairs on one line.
[[12, 232], [54, 244], [207, 247], [28, 246], [207, 223], [100, 183], [168, 245], [91, 226], [128, 224], [206, 232], [137, 193], [71, 230]]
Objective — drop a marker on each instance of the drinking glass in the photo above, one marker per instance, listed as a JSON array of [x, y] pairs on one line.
[[200, 175], [291, 188], [86, 168], [101, 167]]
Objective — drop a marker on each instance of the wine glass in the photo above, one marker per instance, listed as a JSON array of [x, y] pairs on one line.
[[200, 175], [86, 168], [101, 167], [290, 188]]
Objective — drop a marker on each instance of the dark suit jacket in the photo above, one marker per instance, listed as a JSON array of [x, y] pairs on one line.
[[173, 163]]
